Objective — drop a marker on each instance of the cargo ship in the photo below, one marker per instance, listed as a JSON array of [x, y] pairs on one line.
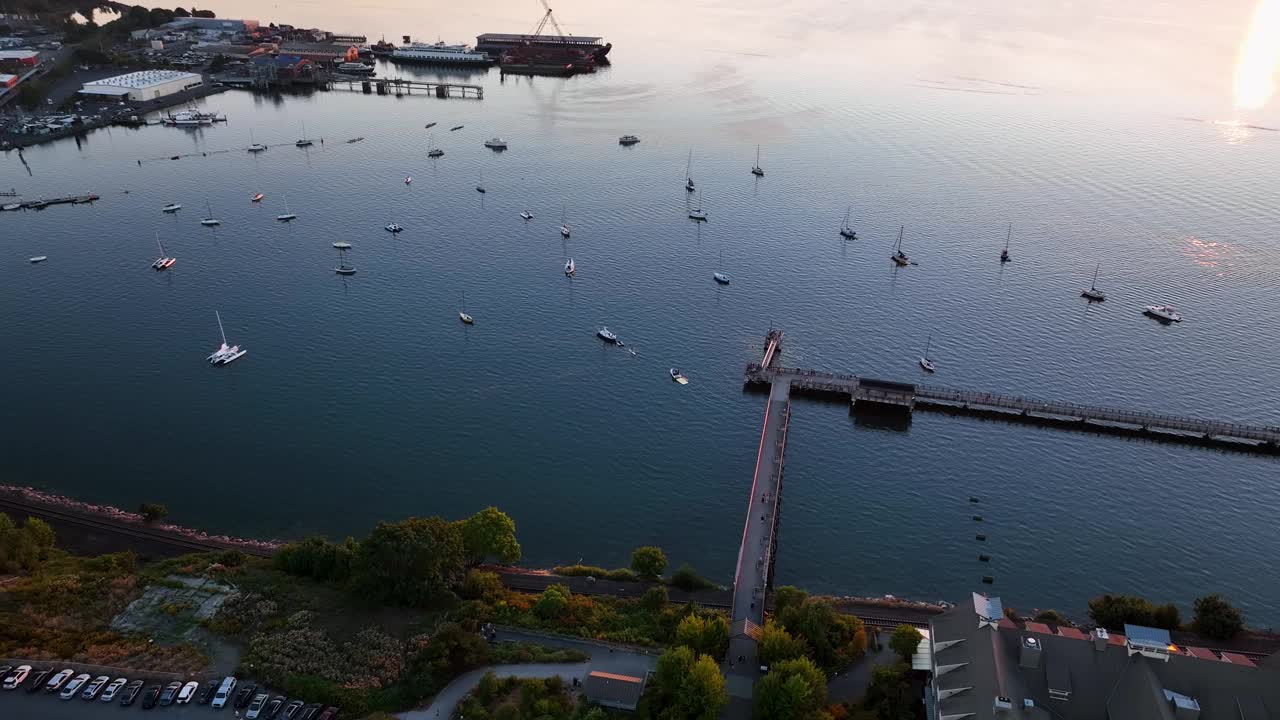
[[534, 60], [498, 44]]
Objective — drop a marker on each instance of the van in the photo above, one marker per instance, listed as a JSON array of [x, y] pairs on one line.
[[224, 692]]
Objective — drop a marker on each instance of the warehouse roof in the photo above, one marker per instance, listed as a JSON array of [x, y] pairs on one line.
[[139, 80]]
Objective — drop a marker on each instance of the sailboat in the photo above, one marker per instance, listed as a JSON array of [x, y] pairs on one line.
[[688, 174], [698, 214], [225, 353], [343, 268], [846, 231], [1004, 254], [570, 269], [564, 227], [171, 208], [286, 216], [164, 262], [462, 311], [304, 141], [480, 186], [1093, 293], [925, 362], [433, 152], [255, 147], [756, 169], [209, 220], [898, 256], [719, 275]]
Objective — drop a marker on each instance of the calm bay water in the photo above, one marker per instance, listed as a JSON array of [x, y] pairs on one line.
[[364, 399]]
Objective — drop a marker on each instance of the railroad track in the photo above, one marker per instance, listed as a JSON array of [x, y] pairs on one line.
[[23, 508]]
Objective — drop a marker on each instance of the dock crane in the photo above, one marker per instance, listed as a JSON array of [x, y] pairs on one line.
[[549, 17]]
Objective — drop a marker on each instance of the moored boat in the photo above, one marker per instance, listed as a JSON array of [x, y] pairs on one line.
[[438, 53], [607, 335], [1163, 313], [628, 140]]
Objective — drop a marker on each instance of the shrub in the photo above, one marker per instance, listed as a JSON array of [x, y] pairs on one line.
[[580, 571], [654, 599], [621, 574], [152, 512], [481, 585], [686, 578], [649, 562], [1051, 616], [1114, 611], [1216, 618], [553, 602]]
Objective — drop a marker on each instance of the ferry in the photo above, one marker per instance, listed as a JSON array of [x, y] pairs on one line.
[[439, 53], [355, 68]]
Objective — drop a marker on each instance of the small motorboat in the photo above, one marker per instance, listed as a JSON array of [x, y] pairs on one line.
[[721, 278], [564, 230], [39, 258], [210, 222], [408, 180], [456, 127], [608, 336], [465, 318], [496, 143], [394, 228], [172, 208], [526, 214], [355, 140], [678, 376], [569, 268], [258, 197], [257, 148], [286, 217], [1163, 313], [11, 206], [429, 125], [480, 188], [435, 153], [628, 140]]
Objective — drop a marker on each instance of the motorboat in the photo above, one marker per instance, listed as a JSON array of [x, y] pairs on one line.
[[429, 125], [607, 335], [846, 231], [1093, 294], [698, 213], [564, 230], [456, 127], [39, 258], [721, 278], [628, 140], [570, 268], [435, 153], [756, 169], [496, 144], [678, 376], [355, 68], [394, 228], [408, 180], [526, 214], [1163, 313], [11, 206], [172, 208], [192, 118], [258, 197]]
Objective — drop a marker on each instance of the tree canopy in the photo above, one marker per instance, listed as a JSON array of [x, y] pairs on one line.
[[904, 641], [1216, 618], [1113, 611], [490, 533], [705, 635], [776, 644], [792, 690], [889, 695], [649, 562], [834, 639], [411, 562], [24, 548], [688, 685]]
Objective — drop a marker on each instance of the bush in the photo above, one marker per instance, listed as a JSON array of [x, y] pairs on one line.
[[1216, 618], [621, 574], [1114, 611], [580, 571], [654, 599], [706, 636], [481, 585], [649, 562], [552, 602], [686, 578], [1051, 616], [152, 512]]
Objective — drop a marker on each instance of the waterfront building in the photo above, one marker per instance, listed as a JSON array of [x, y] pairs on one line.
[[620, 692], [143, 85]]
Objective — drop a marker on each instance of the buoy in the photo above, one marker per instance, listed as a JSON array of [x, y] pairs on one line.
[[980, 537], [984, 558]]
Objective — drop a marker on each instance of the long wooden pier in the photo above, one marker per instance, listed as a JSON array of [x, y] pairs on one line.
[[401, 86]]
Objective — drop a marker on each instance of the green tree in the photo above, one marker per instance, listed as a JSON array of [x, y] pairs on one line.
[[673, 667], [152, 512], [552, 602], [453, 651], [410, 562], [654, 599], [1051, 616], [1214, 617], [792, 690], [1167, 617], [776, 644], [705, 635], [904, 641], [702, 693], [490, 533], [649, 562], [889, 694], [1113, 611], [481, 585], [686, 578], [788, 596], [835, 639], [40, 535]]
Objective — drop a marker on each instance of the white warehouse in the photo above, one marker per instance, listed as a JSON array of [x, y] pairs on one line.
[[143, 85]]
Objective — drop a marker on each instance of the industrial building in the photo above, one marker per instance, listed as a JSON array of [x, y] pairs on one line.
[[29, 58], [620, 692], [987, 667], [143, 85]]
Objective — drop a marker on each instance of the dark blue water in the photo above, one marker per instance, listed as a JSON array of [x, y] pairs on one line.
[[364, 399]]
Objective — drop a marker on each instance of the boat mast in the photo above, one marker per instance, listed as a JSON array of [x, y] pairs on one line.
[[846, 217], [1092, 285], [1008, 238], [688, 168], [757, 156], [928, 343], [220, 330], [159, 244], [900, 229]]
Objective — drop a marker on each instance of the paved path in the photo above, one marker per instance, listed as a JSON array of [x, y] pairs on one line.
[[603, 657]]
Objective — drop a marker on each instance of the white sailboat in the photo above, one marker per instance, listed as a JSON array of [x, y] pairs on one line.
[[698, 214], [286, 216], [432, 151], [480, 186], [570, 268], [898, 256], [255, 147], [462, 311], [1004, 254], [564, 226], [719, 274], [688, 174], [756, 169], [846, 231], [225, 353], [343, 268], [171, 208], [925, 362], [304, 141], [209, 220], [1093, 293], [164, 262]]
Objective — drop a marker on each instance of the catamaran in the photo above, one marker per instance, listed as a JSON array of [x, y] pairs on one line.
[[1093, 293], [209, 220], [847, 231], [225, 353], [164, 262], [756, 169], [343, 268], [1004, 254], [699, 213], [569, 268], [688, 174], [286, 216], [925, 362], [898, 256]]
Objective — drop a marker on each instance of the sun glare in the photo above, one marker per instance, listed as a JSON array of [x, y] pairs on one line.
[[1259, 57]]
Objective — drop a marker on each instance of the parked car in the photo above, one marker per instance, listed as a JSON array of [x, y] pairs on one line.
[[150, 697], [17, 677], [130, 693], [5, 670], [255, 707], [74, 686], [291, 712], [207, 694], [245, 695], [170, 693], [37, 680], [330, 713], [91, 690], [224, 692], [274, 707], [187, 692], [109, 692], [58, 680], [309, 712]]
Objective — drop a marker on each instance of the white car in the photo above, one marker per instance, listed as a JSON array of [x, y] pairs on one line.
[[74, 686], [109, 693], [255, 708], [187, 692], [91, 690], [224, 692], [56, 681], [18, 677]]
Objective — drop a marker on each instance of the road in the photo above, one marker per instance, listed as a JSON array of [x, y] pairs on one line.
[[613, 659]]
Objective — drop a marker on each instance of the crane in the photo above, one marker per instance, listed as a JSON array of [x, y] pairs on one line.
[[538, 31]]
